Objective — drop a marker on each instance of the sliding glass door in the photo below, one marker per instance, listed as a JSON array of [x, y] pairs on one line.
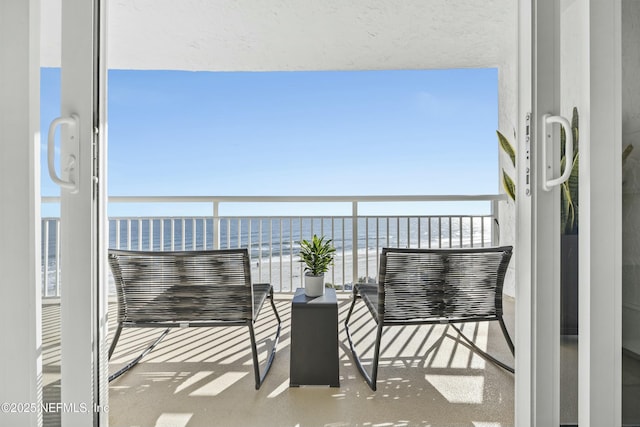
[[76, 149]]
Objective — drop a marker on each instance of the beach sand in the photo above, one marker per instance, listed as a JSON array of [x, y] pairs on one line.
[[286, 273]]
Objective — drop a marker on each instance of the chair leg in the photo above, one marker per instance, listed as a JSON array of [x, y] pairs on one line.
[[376, 358], [507, 337], [254, 349], [273, 307], [483, 353], [135, 361], [370, 379], [115, 340]]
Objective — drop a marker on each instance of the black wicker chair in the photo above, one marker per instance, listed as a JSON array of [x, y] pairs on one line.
[[188, 289], [434, 286]]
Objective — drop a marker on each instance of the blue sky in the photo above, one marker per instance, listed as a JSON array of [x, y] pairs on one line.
[[297, 133]]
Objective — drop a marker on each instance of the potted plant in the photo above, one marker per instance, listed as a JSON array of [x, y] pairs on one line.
[[569, 188], [317, 255], [569, 234]]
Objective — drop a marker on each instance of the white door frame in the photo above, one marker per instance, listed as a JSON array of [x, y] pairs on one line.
[[20, 246], [20, 277], [538, 283], [82, 217], [523, 238], [537, 288], [600, 270]]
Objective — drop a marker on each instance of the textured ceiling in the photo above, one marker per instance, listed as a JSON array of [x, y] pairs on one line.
[[261, 35]]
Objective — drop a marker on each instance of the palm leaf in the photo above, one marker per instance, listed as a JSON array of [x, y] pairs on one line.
[[506, 146], [569, 191], [627, 151], [568, 209], [575, 121], [509, 186]]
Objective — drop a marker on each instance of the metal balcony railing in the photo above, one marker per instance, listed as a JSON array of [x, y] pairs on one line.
[[273, 241]]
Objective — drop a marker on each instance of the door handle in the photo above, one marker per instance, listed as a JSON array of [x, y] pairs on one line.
[[547, 122], [71, 162]]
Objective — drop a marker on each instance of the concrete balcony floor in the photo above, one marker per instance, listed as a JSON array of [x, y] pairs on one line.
[[204, 377]]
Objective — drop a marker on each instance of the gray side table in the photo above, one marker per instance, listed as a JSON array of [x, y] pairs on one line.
[[314, 340]]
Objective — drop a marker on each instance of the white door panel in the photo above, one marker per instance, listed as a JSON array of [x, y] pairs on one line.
[[82, 303], [574, 61], [538, 223]]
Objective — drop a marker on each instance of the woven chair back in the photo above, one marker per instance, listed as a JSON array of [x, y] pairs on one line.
[[210, 285], [430, 284]]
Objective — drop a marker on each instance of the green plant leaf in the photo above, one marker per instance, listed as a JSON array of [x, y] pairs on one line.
[[317, 254], [569, 191], [507, 147], [509, 186], [627, 151], [568, 209], [575, 126]]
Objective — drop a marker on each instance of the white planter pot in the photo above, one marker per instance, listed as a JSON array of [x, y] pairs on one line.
[[314, 285]]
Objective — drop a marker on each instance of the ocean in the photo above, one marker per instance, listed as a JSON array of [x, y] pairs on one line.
[[274, 242]]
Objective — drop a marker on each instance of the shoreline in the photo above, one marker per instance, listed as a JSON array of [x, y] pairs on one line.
[[286, 273]]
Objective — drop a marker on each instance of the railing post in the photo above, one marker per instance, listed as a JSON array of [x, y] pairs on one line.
[[354, 246], [121, 225], [495, 225], [216, 224], [45, 252], [58, 247]]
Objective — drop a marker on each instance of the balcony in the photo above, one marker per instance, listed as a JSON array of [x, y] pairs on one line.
[[201, 375], [273, 240], [204, 377]]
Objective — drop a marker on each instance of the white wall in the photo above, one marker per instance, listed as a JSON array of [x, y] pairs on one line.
[[631, 175], [508, 125], [267, 35]]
